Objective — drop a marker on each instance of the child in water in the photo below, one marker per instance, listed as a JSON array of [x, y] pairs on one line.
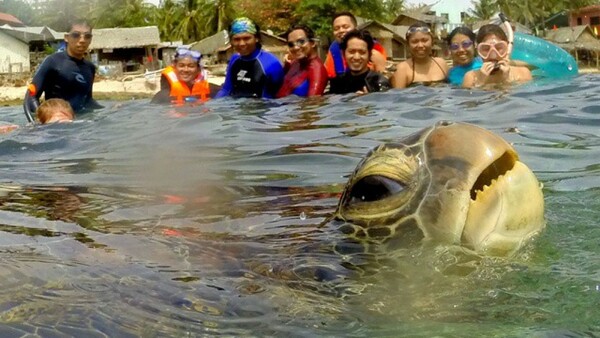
[[55, 110]]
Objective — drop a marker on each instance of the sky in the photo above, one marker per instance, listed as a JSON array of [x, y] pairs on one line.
[[452, 7]]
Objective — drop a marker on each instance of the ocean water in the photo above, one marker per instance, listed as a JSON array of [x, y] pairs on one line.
[[153, 221]]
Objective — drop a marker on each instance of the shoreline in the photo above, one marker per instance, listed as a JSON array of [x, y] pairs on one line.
[[137, 88]]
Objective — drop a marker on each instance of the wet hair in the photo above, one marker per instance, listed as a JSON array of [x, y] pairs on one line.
[[358, 34], [310, 34], [49, 107], [417, 26], [466, 31], [348, 14], [79, 22], [490, 29]]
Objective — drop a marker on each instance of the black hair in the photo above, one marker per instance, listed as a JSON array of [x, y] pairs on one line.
[[490, 29], [358, 34], [310, 34], [79, 22], [466, 31], [348, 14]]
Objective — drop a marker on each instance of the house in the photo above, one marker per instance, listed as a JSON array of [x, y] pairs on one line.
[[391, 37], [11, 20], [589, 15], [217, 49], [579, 40], [436, 23], [14, 53], [134, 49]]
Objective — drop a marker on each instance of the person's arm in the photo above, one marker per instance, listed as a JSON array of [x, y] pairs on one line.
[[524, 74], [163, 96], [317, 79], [399, 79], [443, 65], [379, 61], [35, 89], [227, 85], [275, 75], [469, 79], [91, 103]]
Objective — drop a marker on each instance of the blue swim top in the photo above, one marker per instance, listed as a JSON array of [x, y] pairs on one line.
[[457, 73]]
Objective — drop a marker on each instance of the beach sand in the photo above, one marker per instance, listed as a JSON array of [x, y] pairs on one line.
[[130, 87]]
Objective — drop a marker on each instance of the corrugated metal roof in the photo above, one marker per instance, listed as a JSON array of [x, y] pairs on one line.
[[21, 35], [112, 38]]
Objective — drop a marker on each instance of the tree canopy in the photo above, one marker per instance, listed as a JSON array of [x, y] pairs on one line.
[[193, 20]]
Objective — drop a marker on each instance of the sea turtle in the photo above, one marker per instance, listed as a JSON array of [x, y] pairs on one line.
[[453, 183]]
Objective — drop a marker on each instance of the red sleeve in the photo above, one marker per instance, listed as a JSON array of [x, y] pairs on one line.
[[317, 77], [329, 66]]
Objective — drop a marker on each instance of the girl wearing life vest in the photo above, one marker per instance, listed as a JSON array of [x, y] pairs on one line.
[[184, 81]]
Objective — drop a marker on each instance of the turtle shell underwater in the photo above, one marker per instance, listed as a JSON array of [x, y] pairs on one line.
[[452, 183]]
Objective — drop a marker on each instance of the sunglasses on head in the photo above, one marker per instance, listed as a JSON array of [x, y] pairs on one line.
[[413, 30], [184, 52], [465, 45], [297, 43], [485, 49], [78, 35]]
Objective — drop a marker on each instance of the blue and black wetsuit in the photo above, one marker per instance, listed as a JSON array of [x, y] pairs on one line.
[[64, 77], [259, 74]]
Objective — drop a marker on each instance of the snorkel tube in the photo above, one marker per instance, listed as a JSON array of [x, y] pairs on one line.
[[509, 32], [509, 35]]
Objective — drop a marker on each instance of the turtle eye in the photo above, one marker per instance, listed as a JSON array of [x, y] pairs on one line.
[[374, 188]]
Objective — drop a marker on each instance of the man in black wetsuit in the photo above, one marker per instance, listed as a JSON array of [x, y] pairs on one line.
[[65, 75], [357, 46]]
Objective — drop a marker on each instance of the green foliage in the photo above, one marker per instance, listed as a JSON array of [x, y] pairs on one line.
[[20, 9]]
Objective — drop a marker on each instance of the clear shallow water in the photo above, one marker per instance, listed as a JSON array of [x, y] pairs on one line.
[[139, 220]]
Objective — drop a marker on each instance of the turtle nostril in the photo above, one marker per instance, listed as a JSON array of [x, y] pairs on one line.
[[498, 168]]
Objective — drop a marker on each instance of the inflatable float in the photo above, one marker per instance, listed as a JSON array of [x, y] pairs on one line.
[[548, 59]]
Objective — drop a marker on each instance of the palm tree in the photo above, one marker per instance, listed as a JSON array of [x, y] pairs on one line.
[[484, 9]]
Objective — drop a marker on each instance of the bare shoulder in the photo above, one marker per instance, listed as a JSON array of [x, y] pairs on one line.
[[469, 79], [442, 62]]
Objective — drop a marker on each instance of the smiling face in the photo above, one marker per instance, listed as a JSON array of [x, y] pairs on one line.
[[462, 49], [420, 44], [357, 56], [342, 25], [78, 40], [244, 43], [302, 47], [187, 69]]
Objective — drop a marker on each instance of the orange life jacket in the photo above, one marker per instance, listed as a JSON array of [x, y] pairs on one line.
[[180, 91]]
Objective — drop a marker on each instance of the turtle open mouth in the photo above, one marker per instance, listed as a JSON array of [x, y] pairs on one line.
[[498, 168]]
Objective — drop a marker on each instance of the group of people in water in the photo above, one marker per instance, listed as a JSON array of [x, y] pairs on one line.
[[355, 63]]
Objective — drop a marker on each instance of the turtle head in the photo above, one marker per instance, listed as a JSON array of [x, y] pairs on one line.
[[453, 182]]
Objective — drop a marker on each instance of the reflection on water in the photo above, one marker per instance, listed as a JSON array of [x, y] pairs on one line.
[[140, 220]]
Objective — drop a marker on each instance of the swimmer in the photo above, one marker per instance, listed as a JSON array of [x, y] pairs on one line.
[[305, 74], [461, 43], [185, 80], [252, 71], [66, 75], [342, 23], [421, 67], [359, 78], [493, 47], [55, 110]]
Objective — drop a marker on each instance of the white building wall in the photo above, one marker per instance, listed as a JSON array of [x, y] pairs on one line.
[[14, 54]]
